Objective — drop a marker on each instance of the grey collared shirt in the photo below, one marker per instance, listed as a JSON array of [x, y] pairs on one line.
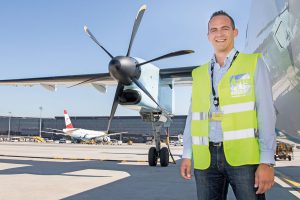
[[264, 106]]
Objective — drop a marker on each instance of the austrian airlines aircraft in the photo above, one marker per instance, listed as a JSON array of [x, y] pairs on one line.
[[80, 134]]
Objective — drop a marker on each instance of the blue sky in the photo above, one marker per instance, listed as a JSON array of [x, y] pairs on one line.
[[46, 38]]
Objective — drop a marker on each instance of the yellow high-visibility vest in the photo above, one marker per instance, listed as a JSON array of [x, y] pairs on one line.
[[237, 103]]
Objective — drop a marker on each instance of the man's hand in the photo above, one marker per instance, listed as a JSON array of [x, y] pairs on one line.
[[185, 168], [264, 178]]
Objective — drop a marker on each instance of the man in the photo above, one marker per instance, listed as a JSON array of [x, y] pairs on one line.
[[230, 129]]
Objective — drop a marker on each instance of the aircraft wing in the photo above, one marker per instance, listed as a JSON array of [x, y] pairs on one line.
[[116, 133], [50, 83], [180, 75], [55, 130]]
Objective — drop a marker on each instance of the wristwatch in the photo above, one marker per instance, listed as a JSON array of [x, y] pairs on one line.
[[269, 164]]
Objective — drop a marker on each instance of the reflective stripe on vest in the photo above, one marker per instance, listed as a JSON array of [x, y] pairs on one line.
[[199, 115], [239, 134], [200, 140], [239, 107]]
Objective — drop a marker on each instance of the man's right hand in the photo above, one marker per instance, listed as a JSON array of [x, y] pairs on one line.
[[185, 168]]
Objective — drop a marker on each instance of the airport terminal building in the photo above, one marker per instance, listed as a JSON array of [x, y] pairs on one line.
[[136, 128]]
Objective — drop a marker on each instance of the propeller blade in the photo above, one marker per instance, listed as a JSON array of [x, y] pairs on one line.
[[136, 25], [140, 85], [95, 40], [176, 53], [88, 80], [119, 89]]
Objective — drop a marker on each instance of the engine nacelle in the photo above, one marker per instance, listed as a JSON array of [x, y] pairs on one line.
[[130, 97], [106, 139], [134, 98]]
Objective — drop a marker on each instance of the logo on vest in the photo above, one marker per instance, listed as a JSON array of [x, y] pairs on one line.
[[240, 85]]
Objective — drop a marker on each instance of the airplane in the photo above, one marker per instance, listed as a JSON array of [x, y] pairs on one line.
[[141, 86], [79, 134], [273, 30]]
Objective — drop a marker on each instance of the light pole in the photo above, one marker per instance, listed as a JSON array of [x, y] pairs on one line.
[[41, 109], [9, 118]]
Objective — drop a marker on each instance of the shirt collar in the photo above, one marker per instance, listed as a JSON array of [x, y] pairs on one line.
[[228, 59]]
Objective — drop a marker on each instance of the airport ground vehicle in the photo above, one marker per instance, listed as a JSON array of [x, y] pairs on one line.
[[15, 139], [283, 151], [61, 141]]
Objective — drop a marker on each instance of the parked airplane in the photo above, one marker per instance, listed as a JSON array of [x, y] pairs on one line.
[[140, 86], [79, 134], [273, 29]]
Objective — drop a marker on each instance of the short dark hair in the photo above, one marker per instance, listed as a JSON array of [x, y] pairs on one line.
[[222, 12]]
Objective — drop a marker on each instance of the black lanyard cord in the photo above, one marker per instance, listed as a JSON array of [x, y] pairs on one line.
[[216, 99]]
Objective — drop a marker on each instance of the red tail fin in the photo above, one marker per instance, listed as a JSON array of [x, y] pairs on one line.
[[68, 120]]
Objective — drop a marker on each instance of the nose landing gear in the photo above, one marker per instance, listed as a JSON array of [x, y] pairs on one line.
[[162, 155]]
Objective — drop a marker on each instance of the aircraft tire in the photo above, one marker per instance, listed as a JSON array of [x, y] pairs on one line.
[[164, 157], [152, 157]]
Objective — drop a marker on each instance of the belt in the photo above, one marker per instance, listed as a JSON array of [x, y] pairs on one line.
[[215, 144]]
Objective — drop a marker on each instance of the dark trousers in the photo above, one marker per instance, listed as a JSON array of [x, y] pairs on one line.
[[212, 183]]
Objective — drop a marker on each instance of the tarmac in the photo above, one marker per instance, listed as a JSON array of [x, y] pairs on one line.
[[76, 171]]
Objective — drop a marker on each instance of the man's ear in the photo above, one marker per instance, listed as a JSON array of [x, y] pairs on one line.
[[235, 32]]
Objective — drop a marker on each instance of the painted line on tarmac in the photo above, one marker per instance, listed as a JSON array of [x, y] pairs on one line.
[[87, 158], [285, 182], [65, 158], [288, 180], [296, 193], [293, 183]]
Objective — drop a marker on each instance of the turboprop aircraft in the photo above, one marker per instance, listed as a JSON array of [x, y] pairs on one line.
[[140, 86]]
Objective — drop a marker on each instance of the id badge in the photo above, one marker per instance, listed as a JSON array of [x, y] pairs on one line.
[[217, 116]]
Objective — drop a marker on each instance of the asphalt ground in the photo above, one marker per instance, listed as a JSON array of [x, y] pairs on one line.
[[68, 171]]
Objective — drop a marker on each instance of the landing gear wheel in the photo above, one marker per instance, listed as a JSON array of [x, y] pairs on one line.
[[152, 156], [164, 157]]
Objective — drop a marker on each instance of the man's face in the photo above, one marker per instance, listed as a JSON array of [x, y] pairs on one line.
[[221, 34]]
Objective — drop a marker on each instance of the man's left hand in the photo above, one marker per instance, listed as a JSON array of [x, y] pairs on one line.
[[264, 178]]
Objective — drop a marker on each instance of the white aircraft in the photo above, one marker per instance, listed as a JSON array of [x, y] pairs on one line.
[[79, 134], [273, 29]]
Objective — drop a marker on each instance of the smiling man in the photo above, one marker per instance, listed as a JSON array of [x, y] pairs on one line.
[[230, 129]]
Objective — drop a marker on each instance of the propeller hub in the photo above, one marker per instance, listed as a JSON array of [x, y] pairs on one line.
[[123, 69]]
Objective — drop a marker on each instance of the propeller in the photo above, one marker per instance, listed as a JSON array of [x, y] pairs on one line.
[[136, 25], [95, 40], [126, 70], [173, 54], [119, 90]]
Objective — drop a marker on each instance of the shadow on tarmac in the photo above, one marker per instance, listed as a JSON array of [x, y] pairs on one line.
[[144, 182]]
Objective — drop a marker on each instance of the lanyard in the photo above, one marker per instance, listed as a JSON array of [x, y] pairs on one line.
[[216, 99]]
